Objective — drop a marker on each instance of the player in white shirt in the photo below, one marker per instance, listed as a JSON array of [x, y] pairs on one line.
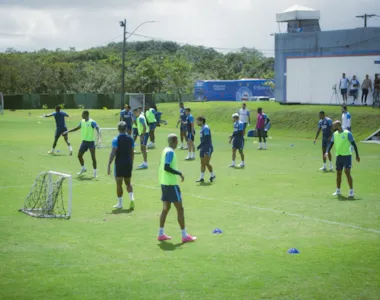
[[346, 119], [244, 116], [343, 86]]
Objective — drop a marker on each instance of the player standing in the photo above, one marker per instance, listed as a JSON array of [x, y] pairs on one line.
[[237, 139], [206, 149], [324, 124], [59, 117], [244, 116], [171, 192], [183, 127], [87, 127], [262, 121], [122, 152], [190, 134], [343, 140], [152, 121], [126, 116], [143, 134], [346, 119]]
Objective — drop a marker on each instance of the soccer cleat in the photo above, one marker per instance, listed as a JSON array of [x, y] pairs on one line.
[[323, 169], [232, 166], [212, 178], [188, 158], [84, 170], [337, 193], [351, 195], [71, 153], [331, 169], [260, 148], [142, 167], [241, 165], [118, 206], [200, 180], [185, 148], [188, 239], [50, 152], [132, 205], [164, 237]]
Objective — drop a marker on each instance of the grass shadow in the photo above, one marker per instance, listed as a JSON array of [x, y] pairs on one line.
[[165, 246], [344, 198], [82, 178], [121, 211], [203, 184]]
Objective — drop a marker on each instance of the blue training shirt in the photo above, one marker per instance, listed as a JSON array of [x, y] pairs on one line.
[[189, 120], [60, 119], [205, 135], [124, 144], [326, 126], [127, 116], [182, 115], [238, 129], [169, 156]]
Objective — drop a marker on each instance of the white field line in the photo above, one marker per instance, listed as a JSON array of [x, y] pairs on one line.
[[247, 206]]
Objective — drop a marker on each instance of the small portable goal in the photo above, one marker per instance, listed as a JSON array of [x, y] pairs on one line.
[[50, 196]]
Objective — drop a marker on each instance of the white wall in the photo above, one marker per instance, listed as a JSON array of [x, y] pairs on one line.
[[310, 80]]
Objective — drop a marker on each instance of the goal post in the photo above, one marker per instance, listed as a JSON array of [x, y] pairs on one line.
[[50, 196], [107, 135], [1, 103]]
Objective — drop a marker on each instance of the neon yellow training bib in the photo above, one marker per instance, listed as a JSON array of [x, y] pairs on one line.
[[166, 178], [87, 132], [342, 144]]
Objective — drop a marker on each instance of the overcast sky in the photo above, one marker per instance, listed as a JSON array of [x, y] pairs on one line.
[[51, 24]]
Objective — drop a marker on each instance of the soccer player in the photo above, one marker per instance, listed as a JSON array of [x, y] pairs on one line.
[[244, 116], [183, 127], [171, 192], [346, 119], [343, 140], [151, 119], [262, 121], [324, 124], [206, 149], [87, 127], [59, 117], [142, 131], [126, 116], [122, 152], [190, 134], [237, 139]]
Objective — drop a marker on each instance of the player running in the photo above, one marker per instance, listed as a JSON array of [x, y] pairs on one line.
[[152, 121], [237, 139], [142, 131], [343, 140], [206, 149], [262, 122], [87, 127], [324, 124], [190, 134], [171, 192], [59, 117], [183, 127], [122, 152], [126, 116]]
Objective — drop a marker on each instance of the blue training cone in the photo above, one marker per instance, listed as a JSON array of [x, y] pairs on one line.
[[293, 251], [217, 231]]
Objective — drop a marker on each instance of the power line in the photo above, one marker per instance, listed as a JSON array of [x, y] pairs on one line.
[[365, 17]]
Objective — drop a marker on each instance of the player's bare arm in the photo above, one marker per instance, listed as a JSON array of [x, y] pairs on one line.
[[72, 130], [111, 159], [356, 151], [317, 135]]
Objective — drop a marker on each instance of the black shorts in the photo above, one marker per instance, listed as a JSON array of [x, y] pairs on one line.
[[238, 143], [124, 170], [171, 193], [205, 151], [190, 136], [325, 143], [135, 132], [343, 92], [343, 162], [85, 146], [59, 131]]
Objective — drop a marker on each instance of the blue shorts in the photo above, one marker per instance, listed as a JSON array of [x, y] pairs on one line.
[[144, 140], [183, 128], [152, 126], [206, 151], [325, 143], [129, 127], [343, 92], [135, 132], [343, 162], [238, 143], [86, 145], [59, 131], [190, 136], [171, 193]]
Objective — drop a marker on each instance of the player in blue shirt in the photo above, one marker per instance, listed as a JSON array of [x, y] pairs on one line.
[[206, 149], [59, 117], [183, 127], [325, 125], [126, 115], [190, 134], [237, 139], [122, 152]]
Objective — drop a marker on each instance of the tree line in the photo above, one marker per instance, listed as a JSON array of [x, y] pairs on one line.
[[150, 67]]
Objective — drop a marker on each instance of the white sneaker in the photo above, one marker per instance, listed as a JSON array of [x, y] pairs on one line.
[[260, 148], [351, 195], [187, 158], [118, 206], [337, 193], [323, 169], [241, 165], [331, 169], [95, 175], [231, 166], [84, 170]]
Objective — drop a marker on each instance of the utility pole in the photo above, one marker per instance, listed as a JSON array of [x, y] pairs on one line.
[[124, 25], [365, 17]]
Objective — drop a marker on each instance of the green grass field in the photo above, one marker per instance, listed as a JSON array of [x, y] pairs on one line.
[[280, 201]]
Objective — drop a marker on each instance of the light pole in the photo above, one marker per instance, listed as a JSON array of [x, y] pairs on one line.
[[125, 38]]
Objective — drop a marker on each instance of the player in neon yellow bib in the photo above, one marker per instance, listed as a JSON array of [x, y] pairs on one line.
[[87, 127], [142, 130], [152, 122], [171, 192], [343, 140]]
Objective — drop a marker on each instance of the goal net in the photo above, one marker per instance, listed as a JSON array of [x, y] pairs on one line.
[[50, 196], [1, 104], [136, 100]]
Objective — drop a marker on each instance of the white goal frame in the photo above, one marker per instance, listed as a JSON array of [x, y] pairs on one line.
[[1, 103], [49, 195], [133, 105], [101, 136]]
